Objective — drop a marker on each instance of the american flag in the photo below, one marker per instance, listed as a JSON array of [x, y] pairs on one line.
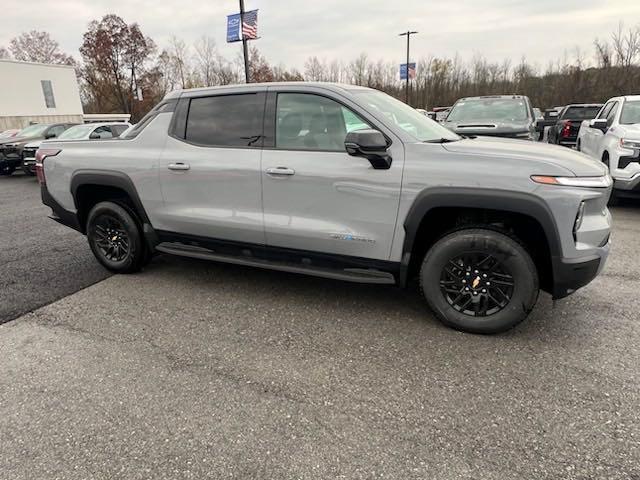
[[250, 25]]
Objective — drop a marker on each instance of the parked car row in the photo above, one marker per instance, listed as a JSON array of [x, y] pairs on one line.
[[19, 149], [608, 133]]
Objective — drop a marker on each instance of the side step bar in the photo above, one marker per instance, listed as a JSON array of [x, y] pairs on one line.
[[358, 275]]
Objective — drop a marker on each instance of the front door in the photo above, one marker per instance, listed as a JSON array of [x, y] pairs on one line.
[[318, 198], [210, 169]]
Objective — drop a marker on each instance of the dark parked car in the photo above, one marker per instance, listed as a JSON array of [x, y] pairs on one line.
[[508, 116], [11, 148], [565, 130]]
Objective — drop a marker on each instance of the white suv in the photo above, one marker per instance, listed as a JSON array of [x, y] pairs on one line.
[[614, 138]]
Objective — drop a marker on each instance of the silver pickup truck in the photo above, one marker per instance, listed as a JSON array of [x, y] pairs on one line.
[[341, 182]]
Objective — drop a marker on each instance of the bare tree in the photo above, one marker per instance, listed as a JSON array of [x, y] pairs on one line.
[[38, 47], [207, 60]]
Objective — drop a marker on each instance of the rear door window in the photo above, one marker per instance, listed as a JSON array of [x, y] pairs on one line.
[[226, 120]]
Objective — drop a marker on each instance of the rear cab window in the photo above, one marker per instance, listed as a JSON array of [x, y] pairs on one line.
[[233, 120]]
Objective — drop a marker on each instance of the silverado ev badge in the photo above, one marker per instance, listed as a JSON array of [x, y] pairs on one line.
[[349, 236]]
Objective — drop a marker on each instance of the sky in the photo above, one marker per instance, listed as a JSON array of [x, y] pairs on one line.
[[291, 31]]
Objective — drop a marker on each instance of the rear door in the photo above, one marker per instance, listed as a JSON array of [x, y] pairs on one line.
[[210, 169], [316, 197]]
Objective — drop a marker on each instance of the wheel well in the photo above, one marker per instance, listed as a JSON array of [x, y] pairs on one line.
[[525, 229], [89, 195]]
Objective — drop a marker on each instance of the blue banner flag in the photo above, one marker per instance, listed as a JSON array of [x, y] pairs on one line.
[[403, 71], [233, 28], [245, 27]]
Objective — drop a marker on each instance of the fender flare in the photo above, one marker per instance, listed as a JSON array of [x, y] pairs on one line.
[[482, 198], [110, 178]]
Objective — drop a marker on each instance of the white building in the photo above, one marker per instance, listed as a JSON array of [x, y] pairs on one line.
[[37, 93]]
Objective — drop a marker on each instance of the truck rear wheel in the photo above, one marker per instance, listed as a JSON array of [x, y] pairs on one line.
[[115, 239], [479, 281]]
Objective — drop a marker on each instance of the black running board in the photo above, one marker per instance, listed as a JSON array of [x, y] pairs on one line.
[[358, 275]]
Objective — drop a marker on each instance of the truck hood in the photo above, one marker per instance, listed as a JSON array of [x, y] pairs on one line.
[[631, 132], [18, 140], [577, 163]]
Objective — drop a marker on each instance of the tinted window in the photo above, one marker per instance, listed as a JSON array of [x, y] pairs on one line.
[[312, 122], [605, 110], [225, 120], [489, 109], [581, 113], [57, 130], [118, 129], [102, 132], [612, 113], [630, 113]]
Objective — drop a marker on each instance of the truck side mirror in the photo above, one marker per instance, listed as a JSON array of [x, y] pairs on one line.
[[599, 124], [370, 144]]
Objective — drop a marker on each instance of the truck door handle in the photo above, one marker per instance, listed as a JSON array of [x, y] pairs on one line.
[[280, 171], [178, 166]]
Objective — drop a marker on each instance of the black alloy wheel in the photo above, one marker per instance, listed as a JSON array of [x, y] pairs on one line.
[[477, 284]]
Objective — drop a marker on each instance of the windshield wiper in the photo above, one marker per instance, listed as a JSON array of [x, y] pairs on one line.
[[440, 140]]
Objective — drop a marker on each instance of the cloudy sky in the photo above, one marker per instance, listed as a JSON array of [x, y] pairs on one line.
[[292, 31]]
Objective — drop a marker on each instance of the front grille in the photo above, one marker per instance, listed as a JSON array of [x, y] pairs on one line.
[[29, 153]]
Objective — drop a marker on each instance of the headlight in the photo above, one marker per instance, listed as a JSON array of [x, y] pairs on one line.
[[626, 143], [587, 182]]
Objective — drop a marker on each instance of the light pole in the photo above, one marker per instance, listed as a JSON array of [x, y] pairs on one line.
[[408, 33], [244, 43]]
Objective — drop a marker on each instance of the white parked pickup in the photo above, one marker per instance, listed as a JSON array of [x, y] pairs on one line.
[[614, 138]]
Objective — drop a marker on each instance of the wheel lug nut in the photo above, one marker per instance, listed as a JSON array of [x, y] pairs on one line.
[[484, 275], [464, 281], [475, 293], [488, 283], [484, 290], [468, 274], [467, 289]]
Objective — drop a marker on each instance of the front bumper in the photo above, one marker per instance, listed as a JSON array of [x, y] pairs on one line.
[[628, 185], [571, 274]]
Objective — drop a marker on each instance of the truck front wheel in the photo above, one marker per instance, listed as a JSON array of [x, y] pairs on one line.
[[479, 281]]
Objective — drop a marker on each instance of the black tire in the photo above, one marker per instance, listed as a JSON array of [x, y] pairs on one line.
[[578, 147], [115, 238], [28, 171], [6, 169], [509, 263]]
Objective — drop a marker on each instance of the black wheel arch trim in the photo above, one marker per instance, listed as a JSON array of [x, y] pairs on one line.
[[112, 178], [469, 197]]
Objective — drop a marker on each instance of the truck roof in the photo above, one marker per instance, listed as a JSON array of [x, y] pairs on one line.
[[253, 86], [494, 96]]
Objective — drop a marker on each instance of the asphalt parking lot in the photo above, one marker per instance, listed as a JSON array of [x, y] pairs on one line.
[[201, 370]]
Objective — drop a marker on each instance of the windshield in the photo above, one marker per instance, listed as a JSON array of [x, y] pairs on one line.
[[489, 109], [76, 133], [581, 113], [32, 131], [419, 126], [630, 113]]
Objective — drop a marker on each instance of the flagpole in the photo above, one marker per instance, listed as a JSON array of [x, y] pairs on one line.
[[244, 44]]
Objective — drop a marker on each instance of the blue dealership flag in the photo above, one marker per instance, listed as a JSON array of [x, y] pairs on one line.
[[403, 71], [233, 28]]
